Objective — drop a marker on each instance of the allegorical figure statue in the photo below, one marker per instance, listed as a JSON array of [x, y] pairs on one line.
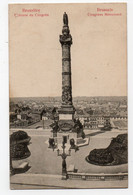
[[65, 19]]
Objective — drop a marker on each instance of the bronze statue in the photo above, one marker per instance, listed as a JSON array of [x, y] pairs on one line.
[[65, 19]]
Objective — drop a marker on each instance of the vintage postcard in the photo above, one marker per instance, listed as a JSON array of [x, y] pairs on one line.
[[68, 96]]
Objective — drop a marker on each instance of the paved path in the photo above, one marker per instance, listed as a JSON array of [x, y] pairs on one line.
[[44, 181]]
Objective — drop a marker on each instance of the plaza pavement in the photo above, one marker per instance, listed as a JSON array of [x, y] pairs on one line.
[[44, 160], [45, 165]]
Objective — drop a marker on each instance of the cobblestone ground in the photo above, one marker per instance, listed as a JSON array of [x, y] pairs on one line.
[[44, 160]]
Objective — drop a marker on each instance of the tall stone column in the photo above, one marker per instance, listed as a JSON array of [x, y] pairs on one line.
[[66, 113]]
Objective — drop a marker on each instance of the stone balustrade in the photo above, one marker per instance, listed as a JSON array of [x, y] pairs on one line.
[[102, 177]]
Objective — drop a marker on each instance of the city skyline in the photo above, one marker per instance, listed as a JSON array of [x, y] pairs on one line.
[[78, 96]]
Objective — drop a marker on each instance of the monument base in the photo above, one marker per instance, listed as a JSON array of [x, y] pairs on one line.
[[66, 118], [66, 125]]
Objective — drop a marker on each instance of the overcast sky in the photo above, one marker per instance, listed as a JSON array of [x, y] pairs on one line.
[[98, 52]]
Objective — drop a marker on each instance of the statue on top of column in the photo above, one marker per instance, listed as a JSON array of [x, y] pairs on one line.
[[65, 19], [65, 38]]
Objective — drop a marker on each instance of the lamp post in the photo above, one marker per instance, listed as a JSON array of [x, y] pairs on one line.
[[64, 156], [63, 152]]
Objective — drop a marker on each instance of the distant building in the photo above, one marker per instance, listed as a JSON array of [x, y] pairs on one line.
[[98, 121], [36, 114]]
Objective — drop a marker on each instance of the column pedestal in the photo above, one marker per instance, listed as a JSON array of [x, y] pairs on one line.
[[66, 118]]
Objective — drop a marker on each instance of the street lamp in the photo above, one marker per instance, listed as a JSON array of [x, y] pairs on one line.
[[64, 155], [63, 152]]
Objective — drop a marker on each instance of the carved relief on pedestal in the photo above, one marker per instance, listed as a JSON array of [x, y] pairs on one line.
[[66, 126], [66, 95]]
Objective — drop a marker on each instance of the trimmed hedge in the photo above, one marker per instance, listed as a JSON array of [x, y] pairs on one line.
[[115, 154]]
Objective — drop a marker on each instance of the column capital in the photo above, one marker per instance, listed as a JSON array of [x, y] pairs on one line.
[[66, 39]]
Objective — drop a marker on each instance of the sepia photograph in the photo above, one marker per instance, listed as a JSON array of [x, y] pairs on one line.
[[68, 108]]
